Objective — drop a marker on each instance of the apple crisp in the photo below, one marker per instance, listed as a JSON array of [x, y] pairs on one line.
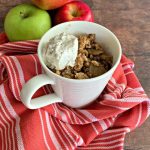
[[91, 61]]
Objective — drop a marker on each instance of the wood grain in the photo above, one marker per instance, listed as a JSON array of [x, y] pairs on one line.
[[130, 21]]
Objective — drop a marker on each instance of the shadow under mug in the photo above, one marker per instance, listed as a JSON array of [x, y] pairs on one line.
[[72, 92]]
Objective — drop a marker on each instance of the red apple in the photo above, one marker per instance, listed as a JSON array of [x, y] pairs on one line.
[[50, 4], [76, 10]]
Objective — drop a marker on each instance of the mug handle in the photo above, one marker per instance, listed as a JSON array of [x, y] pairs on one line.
[[31, 87]]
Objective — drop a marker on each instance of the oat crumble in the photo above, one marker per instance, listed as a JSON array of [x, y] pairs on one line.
[[91, 61]]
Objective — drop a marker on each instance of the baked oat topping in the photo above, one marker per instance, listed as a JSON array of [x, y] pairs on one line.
[[91, 61]]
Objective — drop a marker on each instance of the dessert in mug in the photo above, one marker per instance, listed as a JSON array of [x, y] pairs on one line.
[[76, 57]]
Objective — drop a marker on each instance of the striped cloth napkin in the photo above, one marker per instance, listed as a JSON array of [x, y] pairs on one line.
[[121, 107]]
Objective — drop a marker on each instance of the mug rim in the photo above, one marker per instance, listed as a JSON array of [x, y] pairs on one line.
[[79, 80]]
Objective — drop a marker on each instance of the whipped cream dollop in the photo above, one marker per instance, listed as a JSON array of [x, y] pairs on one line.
[[61, 51]]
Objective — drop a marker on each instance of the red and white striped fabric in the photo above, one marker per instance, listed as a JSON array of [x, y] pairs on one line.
[[122, 107]]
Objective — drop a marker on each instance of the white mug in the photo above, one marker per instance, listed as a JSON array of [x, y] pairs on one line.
[[72, 92]]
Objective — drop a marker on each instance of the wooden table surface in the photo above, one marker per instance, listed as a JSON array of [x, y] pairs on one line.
[[130, 21]]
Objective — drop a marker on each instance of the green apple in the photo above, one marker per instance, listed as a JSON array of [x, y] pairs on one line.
[[26, 22]]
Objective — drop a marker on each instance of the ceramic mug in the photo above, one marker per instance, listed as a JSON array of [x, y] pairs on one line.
[[72, 92]]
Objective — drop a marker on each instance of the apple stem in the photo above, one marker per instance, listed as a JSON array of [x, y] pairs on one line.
[[75, 14], [23, 15]]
